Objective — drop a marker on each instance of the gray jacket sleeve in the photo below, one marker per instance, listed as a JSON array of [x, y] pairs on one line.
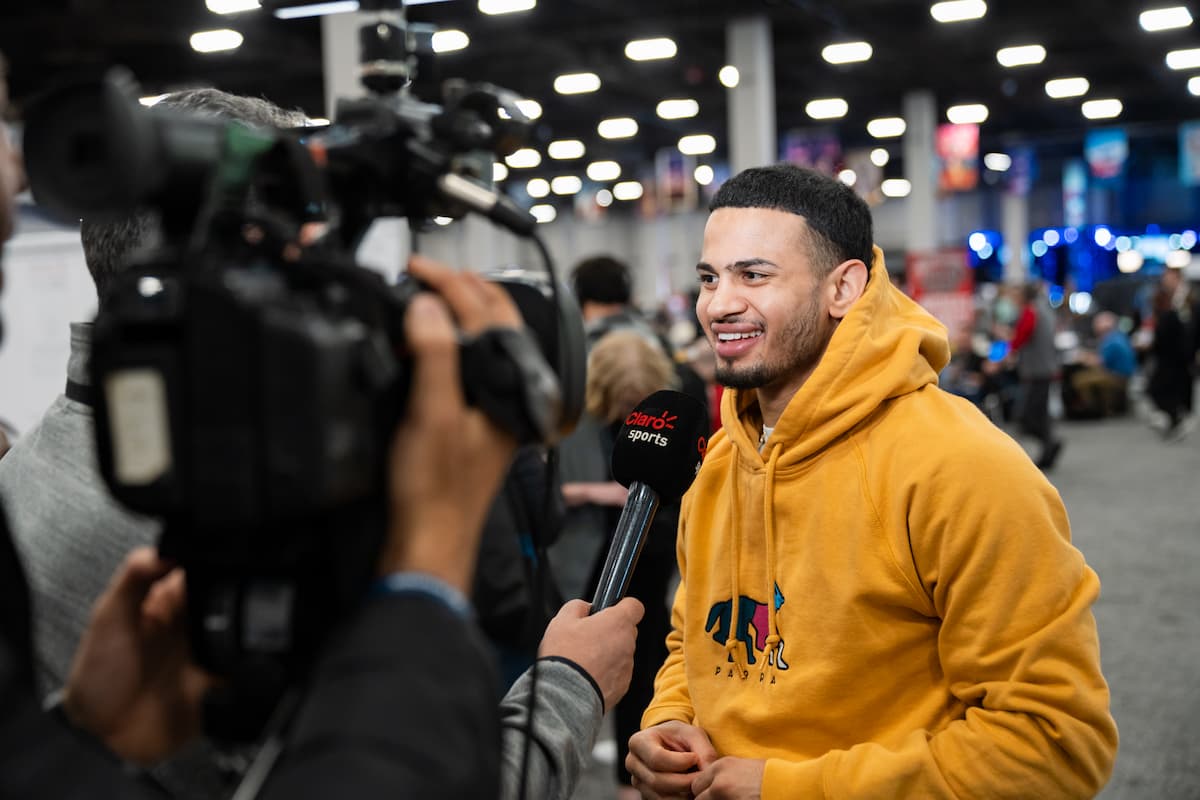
[[567, 714]]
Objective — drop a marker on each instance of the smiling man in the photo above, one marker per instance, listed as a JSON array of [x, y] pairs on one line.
[[879, 596]]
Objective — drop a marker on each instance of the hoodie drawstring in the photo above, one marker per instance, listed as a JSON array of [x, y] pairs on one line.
[[773, 638], [732, 645]]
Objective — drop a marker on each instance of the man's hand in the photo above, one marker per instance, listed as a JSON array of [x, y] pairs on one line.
[[664, 759], [447, 460], [607, 493], [730, 779], [133, 684], [602, 643]]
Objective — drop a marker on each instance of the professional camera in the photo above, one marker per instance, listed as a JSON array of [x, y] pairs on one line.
[[247, 380]]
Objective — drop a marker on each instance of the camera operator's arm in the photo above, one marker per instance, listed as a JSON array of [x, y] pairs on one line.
[[584, 669], [403, 702]]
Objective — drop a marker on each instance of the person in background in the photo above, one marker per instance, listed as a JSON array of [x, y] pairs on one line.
[[1037, 364], [1104, 383], [1171, 376]]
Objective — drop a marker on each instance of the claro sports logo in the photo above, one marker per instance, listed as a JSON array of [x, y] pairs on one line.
[[644, 427]]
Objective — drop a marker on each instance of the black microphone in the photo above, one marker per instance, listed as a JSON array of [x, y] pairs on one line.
[[656, 456]]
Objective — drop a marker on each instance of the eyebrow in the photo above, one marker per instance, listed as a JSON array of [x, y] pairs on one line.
[[737, 266]]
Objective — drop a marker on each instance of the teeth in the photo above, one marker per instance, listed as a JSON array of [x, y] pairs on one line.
[[733, 337]]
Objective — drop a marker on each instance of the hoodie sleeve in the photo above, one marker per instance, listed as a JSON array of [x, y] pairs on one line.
[[1018, 647], [671, 698]]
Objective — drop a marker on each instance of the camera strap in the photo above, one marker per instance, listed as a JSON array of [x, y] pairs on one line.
[[80, 393]]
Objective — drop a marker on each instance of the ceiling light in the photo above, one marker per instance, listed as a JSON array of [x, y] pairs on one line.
[[1161, 19], [450, 40], [627, 190], [895, 187], [1102, 109], [604, 170], [703, 174], [848, 177], [1130, 261], [1067, 87], [238, 6], [524, 158], [886, 127], [1193, 86], [1184, 59], [566, 184], [1021, 56], [577, 83], [151, 99], [729, 76], [847, 52], [678, 109], [537, 187], [316, 9], [958, 10], [827, 108], [997, 162], [565, 148], [216, 41], [967, 114], [617, 128], [443, 221], [499, 172], [697, 144], [650, 49], [316, 122], [880, 157], [604, 198], [505, 6], [1178, 259], [543, 212], [530, 108]]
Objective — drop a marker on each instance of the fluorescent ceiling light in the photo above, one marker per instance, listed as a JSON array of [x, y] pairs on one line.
[[617, 128], [543, 212], [848, 177], [316, 9], [152, 99], [565, 148], [847, 52], [895, 187], [499, 172], [448, 41], [958, 10], [650, 49], [443, 221], [1102, 109], [880, 157], [505, 6], [537, 188], [566, 184], [1067, 87], [1162, 19], [703, 174], [1184, 59], [697, 144], [237, 6], [967, 113], [604, 170], [604, 198], [997, 162], [524, 158], [216, 41], [827, 108], [1021, 56], [678, 109], [1130, 261], [577, 83], [886, 127], [1193, 86], [627, 190], [530, 108], [316, 122], [729, 76]]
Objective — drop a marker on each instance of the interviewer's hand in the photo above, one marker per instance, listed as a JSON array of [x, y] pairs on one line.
[[133, 684], [602, 643], [665, 758], [447, 459]]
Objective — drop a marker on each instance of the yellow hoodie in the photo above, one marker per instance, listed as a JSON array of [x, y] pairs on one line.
[[885, 602]]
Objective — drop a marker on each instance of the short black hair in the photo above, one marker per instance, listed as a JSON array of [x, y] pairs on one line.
[[108, 243], [602, 279], [839, 220]]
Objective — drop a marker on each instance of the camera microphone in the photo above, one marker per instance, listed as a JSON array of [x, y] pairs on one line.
[[656, 456]]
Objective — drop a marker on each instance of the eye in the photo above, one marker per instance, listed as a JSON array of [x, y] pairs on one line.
[[707, 279], [751, 275]]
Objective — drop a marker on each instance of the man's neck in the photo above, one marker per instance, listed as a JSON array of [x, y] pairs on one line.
[[593, 311], [774, 399]]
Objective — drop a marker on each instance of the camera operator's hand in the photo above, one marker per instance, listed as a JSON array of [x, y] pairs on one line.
[[447, 459], [602, 644], [133, 684]]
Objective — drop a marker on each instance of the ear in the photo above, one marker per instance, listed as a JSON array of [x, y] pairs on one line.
[[844, 285]]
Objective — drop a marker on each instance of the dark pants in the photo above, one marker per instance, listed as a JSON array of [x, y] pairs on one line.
[[1035, 413]]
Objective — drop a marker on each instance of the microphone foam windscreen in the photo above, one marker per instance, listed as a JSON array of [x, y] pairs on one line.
[[662, 444]]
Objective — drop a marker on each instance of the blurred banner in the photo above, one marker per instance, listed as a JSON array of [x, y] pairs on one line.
[[674, 184], [816, 148], [958, 151], [1023, 171], [1189, 153], [868, 176], [942, 282], [1074, 183], [1106, 151]]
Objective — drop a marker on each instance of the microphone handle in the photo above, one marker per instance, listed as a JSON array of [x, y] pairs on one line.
[[626, 545]]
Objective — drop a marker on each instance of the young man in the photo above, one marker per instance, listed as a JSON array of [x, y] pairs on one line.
[[879, 597]]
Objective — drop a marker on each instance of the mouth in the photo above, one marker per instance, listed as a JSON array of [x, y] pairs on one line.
[[732, 344]]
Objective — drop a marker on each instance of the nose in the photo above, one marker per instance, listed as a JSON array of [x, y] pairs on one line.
[[721, 301]]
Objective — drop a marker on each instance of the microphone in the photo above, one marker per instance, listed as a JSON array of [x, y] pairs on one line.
[[656, 456]]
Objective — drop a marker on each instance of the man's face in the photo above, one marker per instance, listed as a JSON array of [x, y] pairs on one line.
[[760, 304]]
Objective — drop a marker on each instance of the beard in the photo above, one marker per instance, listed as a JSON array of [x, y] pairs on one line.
[[800, 346]]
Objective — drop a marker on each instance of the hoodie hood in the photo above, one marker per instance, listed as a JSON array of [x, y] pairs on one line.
[[885, 347]]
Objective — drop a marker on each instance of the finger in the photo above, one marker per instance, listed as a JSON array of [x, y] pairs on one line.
[[436, 388], [167, 599], [702, 781], [574, 609], [660, 759], [501, 307], [462, 291], [132, 582], [632, 608]]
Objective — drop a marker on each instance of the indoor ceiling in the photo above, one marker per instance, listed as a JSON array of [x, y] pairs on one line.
[[281, 60]]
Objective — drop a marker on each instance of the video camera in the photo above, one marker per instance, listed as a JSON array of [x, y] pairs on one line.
[[247, 380]]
